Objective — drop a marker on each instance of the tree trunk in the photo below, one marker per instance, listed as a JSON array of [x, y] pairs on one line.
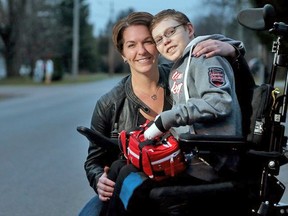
[[12, 57]]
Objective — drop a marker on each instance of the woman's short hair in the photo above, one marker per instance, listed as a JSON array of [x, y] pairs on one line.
[[134, 18]]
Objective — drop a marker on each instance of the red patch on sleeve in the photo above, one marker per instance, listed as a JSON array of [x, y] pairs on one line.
[[216, 76]]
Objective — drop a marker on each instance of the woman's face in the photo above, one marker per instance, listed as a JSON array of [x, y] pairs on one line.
[[139, 49]]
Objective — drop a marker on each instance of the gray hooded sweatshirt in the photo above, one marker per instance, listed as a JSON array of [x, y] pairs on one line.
[[210, 105]]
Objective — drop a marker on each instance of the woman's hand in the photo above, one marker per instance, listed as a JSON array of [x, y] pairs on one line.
[[211, 48], [105, 186]]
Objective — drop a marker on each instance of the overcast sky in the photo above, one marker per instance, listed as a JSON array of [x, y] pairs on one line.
[[102, 10]]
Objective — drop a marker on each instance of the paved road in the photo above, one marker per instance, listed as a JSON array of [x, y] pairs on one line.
[[42, 155]]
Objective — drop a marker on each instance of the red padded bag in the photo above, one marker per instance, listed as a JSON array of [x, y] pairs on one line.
[[160, 158]]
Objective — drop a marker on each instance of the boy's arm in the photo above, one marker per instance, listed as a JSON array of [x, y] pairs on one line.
[[211, 47], [155, 130]]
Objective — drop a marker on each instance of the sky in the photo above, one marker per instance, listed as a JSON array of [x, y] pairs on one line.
[[102, 10]]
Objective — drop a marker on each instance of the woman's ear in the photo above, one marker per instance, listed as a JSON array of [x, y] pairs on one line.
[[124, 59]]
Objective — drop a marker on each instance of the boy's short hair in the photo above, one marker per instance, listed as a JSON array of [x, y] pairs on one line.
[[169, 13]]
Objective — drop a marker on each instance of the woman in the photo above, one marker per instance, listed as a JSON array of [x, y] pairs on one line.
[[141, 95]]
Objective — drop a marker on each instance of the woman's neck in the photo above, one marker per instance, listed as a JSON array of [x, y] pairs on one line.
[[146, 83], [146, 88]]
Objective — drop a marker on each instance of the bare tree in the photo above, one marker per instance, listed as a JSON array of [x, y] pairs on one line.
[[11, 19], [29, 30], [42, 34]]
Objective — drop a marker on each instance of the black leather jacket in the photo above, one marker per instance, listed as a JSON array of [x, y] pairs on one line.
[[120, 106]]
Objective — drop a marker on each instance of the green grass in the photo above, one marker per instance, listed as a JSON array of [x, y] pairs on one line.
[[67, 79]]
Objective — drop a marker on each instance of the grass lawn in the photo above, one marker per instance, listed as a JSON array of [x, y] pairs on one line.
[[67, 79]]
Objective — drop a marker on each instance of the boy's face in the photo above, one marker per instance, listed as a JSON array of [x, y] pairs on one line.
[[172, 37]]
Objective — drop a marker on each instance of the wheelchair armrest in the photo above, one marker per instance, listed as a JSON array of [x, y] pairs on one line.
[[189, 142], [269, 156], [96, 137]]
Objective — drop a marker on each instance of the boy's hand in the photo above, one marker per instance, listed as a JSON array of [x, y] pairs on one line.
[[211, 48]]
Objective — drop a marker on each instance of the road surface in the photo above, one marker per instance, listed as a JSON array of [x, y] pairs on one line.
[[41, 153]]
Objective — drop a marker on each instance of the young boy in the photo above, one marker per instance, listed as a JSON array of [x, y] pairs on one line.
[[210, 106], [203, 89]]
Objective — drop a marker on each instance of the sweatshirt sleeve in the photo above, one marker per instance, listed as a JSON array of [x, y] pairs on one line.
[[210, 98], [239, 45]]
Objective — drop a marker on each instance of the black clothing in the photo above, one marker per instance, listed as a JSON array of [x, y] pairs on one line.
[[118, 110]]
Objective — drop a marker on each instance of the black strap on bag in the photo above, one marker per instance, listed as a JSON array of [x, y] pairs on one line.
[[262, 103]]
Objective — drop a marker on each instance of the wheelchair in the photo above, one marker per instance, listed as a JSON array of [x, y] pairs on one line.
[[256, 191]]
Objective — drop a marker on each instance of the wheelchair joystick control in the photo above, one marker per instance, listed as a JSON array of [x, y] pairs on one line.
[[272, 164]]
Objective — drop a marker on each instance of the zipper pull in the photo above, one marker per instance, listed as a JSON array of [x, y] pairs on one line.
[[114, 133], [172, 166]]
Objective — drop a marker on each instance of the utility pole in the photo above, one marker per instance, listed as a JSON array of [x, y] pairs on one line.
[[75, 53], [111, 60]]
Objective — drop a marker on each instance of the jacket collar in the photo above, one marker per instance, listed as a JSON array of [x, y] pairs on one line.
[[163, 82]]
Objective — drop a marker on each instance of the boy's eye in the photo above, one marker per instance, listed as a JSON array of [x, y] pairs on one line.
[[170, 32], [158, 40]]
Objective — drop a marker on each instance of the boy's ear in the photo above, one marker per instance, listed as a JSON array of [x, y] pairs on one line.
[[190, 30]]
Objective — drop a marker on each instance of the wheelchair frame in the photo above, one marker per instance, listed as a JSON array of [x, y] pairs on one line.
[[268, 148], [267, 145], [274, 146]]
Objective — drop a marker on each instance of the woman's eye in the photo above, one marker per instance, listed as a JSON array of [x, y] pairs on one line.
[[130, 45], [150, 42]]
